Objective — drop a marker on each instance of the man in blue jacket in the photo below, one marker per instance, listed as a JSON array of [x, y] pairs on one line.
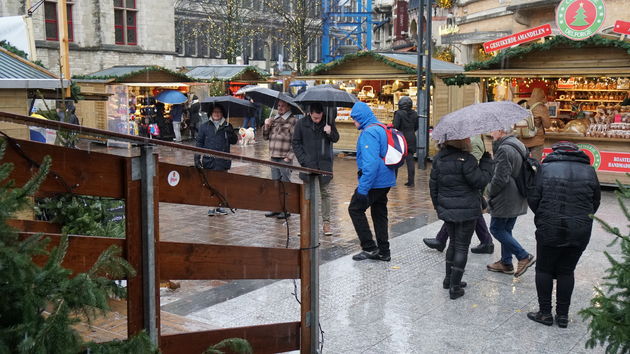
[[375, 180]]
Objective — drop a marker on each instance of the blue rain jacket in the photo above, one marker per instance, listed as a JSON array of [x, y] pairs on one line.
[[371, 147]]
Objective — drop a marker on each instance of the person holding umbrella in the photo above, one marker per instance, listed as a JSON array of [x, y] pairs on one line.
[[216, 134], [279, 131], [312, 144], [177, 111]]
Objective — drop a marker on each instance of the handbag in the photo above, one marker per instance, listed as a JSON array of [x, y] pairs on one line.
[[154, 129]]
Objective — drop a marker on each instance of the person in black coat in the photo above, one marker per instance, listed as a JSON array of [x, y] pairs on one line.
[[193, 116], [313, 138], [217, 134], [455, 185], [406, 120], [567, 193]]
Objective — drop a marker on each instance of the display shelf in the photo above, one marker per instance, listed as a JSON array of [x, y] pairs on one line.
[[589, 90], [607, 101]]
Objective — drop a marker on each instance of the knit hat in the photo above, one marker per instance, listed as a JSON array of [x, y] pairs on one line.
[[565, 146]]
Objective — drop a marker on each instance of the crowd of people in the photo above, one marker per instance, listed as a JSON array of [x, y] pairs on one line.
[[465, 182]]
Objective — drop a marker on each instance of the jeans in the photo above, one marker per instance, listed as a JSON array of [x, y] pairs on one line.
[[378, 204], [279, 173], [324, 191], [249, 122], [177, 130], [481, 229], [461, 233], [501, 229], [559, 263]]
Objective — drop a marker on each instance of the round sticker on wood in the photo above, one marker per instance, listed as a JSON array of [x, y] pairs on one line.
[[173, 178]]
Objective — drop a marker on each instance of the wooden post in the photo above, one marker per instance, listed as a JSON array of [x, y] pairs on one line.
[[309, 263], [64, 51]]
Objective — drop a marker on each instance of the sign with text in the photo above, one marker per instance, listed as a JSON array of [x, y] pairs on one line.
[[622, 27], [518, 38], [580, 19]]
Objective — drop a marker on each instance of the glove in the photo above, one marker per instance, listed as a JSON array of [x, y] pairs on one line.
[[361, 200]]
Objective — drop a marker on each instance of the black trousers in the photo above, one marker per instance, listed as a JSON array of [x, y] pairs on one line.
[[378, 206], [460, 233], [411, 168], [558, 263]]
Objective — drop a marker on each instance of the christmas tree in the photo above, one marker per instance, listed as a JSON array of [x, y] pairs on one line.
[[40, 304], [580, 17], [610, 307]]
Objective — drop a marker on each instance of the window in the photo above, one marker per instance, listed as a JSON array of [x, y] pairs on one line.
[[50, 18], [125, 24]]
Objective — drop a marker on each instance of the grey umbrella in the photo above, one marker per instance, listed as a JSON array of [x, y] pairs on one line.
[[270, 97], [327, 95], [233, 106], [478, 119]]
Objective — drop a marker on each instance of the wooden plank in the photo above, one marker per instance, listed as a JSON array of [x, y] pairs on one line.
[[271, 338], [83, 251], [198, 261], [35, 226], [241, 192], [87, 173], [305, 271]]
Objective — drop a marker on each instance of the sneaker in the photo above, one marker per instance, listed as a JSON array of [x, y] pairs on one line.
[[524, 264], [220, 211], [272, 214], [544, 318], [363, 255], [562, 321], [483, 248], [283, 215], [381, 257], [327, 230], [434, 243], [409, 184], [212, 212], [500, 267]]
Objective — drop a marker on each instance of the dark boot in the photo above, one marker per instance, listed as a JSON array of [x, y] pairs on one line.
[[544, 318], [434, 243], [483, 248], [446, 283], [456, 290]]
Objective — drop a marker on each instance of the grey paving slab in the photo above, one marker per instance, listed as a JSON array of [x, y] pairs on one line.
[[400, 306]]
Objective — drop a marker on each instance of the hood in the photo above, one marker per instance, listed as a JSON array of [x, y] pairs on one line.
[[362, 113], [538, 95], [521, 148], [566, 155], [405, 103]]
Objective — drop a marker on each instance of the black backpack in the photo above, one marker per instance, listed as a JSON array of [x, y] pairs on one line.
[[526, 179]]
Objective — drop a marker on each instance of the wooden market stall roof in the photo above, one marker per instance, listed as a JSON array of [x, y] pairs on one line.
[[558, 57], [378, 65], [138, 74], [245, 73], [19, 73]]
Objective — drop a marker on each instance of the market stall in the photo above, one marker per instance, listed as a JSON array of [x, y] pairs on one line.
[[131, 107], [380, 80], [585, 82]]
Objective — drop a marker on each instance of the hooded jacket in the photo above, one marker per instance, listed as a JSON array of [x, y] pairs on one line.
[[371, 147], [406, 120], [567, 192], [313, 147], [505, 199], [220, 139], [541, 117]]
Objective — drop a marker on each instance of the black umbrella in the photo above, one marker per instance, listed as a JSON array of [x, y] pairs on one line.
[[270, 97], [233, 106], [327, 95]]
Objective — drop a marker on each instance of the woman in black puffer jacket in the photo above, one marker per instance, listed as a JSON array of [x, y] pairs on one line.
[[456, 184], [567, 192]]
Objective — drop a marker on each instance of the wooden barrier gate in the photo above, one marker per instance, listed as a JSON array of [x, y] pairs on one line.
[[142, 182]]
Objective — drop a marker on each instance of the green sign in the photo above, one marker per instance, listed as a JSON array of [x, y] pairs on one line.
[[580, 19]]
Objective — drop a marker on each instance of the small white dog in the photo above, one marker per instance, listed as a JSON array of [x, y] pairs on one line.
[[247, 136]]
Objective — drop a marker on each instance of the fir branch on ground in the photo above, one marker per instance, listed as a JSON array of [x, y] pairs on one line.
[[233, 345], [610, 307]]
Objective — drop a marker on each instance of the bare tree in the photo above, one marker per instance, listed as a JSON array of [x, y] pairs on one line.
[[224, 25], [298, 26]]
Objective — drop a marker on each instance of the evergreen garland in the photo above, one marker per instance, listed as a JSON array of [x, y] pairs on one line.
[[460, 80], [20, 53], [119, 78], [383, 59], [40, 304], [610, 308]]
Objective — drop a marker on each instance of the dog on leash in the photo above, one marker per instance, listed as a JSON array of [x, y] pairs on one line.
[[247, 136]]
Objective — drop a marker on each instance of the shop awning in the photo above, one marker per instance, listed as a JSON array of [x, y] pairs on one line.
[[550, 72]]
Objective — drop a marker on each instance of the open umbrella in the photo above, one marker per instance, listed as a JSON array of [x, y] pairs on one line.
[[327, 95], [171, 97], [270, 97], [478, 119], [233, 106]]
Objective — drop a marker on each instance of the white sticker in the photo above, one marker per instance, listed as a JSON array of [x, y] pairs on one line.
[[173, 178]]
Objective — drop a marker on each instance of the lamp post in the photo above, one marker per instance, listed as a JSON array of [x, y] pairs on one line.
[[424, 87]]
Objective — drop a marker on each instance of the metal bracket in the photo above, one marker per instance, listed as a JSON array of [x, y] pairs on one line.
[[136, 169]]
